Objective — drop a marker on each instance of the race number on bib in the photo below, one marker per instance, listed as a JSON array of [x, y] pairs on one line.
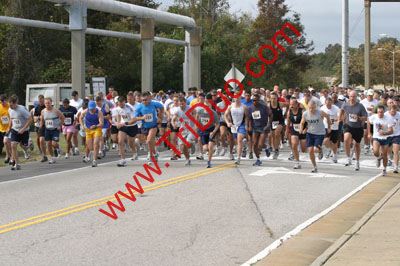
[[296, 127], [256, 115], [275, 124], [68, 121], [148, 118], [125, 118], [16, 122], [353, 118], [49, 123], [234, 129], [4, 120], [204, 120]]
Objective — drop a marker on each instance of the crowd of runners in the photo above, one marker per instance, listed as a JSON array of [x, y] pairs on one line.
[[246, 124]]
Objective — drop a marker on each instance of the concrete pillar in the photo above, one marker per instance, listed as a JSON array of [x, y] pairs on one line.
[[345, 44], [195, 58], [186, 64], [367, 48], [78, 25], [147, 35]]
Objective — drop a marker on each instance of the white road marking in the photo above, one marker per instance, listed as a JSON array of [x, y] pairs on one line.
[[282, 170]]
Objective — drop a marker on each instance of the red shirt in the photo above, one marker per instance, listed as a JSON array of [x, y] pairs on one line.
[[281, 100]]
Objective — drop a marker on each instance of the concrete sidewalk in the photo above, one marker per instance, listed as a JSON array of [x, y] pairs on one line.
[[377, 241]]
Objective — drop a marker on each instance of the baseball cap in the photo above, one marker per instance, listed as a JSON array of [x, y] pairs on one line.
[[92, 105], [370, 92], [74, 93], [341, 98], [170, 92]]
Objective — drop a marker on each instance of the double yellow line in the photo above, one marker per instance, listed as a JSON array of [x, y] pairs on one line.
[[90, 204]]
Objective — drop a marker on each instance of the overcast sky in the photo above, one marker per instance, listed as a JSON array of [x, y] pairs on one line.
[[323, 19]]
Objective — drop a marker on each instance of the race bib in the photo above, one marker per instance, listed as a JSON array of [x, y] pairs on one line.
[[275, 124], [148, 118], [68, 121], [49, 123], [37, 124], [353, 118], [296, 127], [256, 115], [234, 129], [5, 120], [16, 123], [204, 120], [125, 118]]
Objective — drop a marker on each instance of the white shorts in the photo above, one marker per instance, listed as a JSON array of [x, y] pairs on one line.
[[188, 136], [104, 130]]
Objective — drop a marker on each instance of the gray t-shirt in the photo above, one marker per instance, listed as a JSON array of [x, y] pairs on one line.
[[19, 116], [315, 123], [204, 117], [182, 114], [222, 106], [353, 114]]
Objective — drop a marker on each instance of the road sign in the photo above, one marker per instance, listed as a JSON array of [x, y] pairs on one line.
[[234, 73]]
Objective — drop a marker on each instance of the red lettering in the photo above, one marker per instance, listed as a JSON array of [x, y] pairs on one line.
[[179, 135], [256, 75], [238, 83], [111, 206], [165, 139], [283, 34], [190, 129], [262, 57], [227, 103], [209, 111], [147, 168]]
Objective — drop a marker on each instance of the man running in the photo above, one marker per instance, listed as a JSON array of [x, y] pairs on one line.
[[94, 121], [248, 102], [294, 117], [331, 139], [355, 116], [68, 127], [77, 103], [171, 109], [383, 127], [315, 132], [18, 130], [369, 105], [239, 114], [126, 113], [106, 117], [394, 139], [52, 119], [4, 124], [277, 123], [260, 119], [37, 119]]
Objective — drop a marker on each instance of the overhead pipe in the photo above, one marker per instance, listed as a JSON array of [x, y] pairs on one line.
[[130, 10]]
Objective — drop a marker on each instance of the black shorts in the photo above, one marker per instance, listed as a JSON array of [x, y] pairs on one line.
[[145, 131], [20, 138], [164, 125], [281, 123], [223, 124], [301, 136], [130, 131], [174, 130], [333, 136], [356, 133], [205, 136], [114, 130], [36, 129], [41, 131]]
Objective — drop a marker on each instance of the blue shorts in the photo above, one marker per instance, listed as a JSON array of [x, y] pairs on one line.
[[51, 135], [240, 130], [145, 131], [394, 140], [205, 136], [314, 140], [260, 130], [383, 142]]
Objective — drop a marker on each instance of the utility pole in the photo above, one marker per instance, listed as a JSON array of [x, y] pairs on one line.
[[367, 48], [345, 44]]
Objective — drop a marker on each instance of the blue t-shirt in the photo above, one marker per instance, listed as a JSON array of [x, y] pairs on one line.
[[190, 99], [248, 104], [150, 113]]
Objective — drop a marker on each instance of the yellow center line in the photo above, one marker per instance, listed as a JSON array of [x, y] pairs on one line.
[[104, 200]]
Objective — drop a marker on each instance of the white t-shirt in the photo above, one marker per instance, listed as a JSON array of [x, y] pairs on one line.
[[367, 104], [114, 114], [127, 113], [380, 125], [333, 113], [77, 104], [396, 123]]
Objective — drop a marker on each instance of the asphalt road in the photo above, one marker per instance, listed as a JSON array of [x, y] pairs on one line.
[[187, 216]]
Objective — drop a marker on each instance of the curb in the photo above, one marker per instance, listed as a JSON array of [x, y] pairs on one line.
[[335, 247]]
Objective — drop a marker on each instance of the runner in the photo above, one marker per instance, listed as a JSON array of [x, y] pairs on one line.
[[4, 126], [355, 116], [37, 119], [277, 123], [77, 103], [94, 121], [383, 127], [114, 129], [177, 125], [394, 139], [106, 116], [18, 130], [126, 113], [52, 121], [224, 132], [331, 138], [294, 117], [369, 104], [315, 131], [239, 114], [260, 119], [82, 131], [171, 109], [208, 135], [248, 102], [68, 127]]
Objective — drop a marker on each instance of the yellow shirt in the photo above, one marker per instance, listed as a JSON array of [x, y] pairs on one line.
[[4, 117], [194, 102]]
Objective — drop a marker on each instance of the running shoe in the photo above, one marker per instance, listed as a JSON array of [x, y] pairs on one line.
[[257, 163], [231, 157], [334, 158], [276, 154], [192, 149], [174, 157], [384, 172], [223, 151], [52, 161], [94, 163], [188, 162], [16, 167], [44, 159], [297, 166], [357, 166], [396, 170], [39, 152], [59, 153], [291, 157], [31, 146], [121, 163], [244, 153], [76, 151], [348, 162], [321, 155], [267, 152], [114, 146], [27, 155], [378, 162], [7, 160], [250, 155], [200, 157], [101, 155], [328, 154], [11, 162], [208, 164], [134, 157], [86, 159], [314, 170], [390, 162], [238, 161], [67, 155]]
